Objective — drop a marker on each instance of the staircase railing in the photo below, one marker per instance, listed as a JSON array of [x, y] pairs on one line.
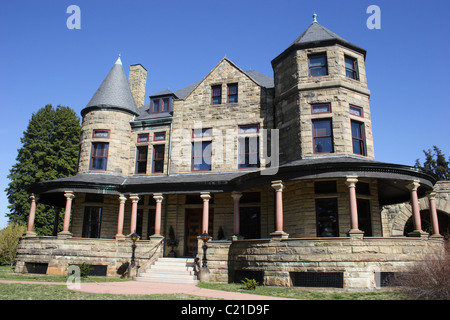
[[153, 254]]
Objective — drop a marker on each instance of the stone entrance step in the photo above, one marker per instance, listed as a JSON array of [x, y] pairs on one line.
[[170, 270]]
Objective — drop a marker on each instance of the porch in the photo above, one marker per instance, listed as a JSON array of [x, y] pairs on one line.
[[322, 216]]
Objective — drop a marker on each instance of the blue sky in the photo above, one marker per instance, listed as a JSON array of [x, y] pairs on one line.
[[179, 42]]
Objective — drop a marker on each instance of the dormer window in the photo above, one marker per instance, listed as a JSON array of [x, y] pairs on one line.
[[318, 65], [160, 105]]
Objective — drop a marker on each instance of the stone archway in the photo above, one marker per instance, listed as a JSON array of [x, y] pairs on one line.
[[395, 217]]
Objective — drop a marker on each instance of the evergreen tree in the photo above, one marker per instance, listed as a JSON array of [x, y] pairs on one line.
[[50, 147], [435, 164]]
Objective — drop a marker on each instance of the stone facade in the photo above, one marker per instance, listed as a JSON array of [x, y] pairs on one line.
[[196, 111], [117, 123], [317, 212], [296, 92], [58, 254], [359, 261]]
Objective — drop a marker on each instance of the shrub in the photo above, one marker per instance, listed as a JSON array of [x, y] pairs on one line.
[[9, 239], [250, 284], [428, 279], [84, 270]]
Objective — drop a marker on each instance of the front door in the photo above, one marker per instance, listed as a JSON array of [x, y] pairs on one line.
[[194, 229]]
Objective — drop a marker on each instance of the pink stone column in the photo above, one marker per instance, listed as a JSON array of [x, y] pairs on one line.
[[236, 197], [135, 199], [433, 213], [32, 215], [353, 204], [278, 186], [158, 198], [413, 186], [205, 218], [69, 198], [122, 200]]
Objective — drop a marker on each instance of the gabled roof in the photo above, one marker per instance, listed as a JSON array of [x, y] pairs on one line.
[[317, 35], [257, 77], [114, 92]]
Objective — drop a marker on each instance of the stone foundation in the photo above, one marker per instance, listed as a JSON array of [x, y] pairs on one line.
[[58, 253], [358, 259]]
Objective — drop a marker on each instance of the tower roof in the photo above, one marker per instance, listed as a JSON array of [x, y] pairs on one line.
[[114, 92], [315, 36]]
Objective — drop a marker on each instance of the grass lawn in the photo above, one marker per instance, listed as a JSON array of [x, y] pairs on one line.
[[306, 293], [17, 291]]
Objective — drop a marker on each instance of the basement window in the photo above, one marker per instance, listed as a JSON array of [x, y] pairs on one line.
[[318, 279], [384, 279], [37, 268]]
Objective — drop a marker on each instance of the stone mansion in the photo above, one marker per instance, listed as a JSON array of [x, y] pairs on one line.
[[280, 172]]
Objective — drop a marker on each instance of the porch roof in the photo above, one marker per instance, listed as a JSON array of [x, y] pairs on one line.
[[392, 179]]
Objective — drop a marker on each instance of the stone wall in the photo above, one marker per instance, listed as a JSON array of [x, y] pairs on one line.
[[60, 253], [120, 159], [254, 106], [357, 259]]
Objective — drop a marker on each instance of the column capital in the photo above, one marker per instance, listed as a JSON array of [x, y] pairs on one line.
[[134, 198], [431, 195], [413, 185], [236, 195], [351, 181], [122, 198], [34, 197], [69, 195], [278, 185], [205, 196], [158, 197]]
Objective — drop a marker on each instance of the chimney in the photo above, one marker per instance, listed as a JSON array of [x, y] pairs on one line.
[[137, 81]]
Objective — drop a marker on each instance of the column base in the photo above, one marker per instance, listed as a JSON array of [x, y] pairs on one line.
[[132, 272], [419, 234], [279, 235], [236, 237], [203, 274], [356, 234], [156, 236], [120, 237], [29, 234], [64, 235]]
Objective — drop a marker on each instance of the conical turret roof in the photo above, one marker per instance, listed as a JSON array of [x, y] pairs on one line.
[[113, 93]]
